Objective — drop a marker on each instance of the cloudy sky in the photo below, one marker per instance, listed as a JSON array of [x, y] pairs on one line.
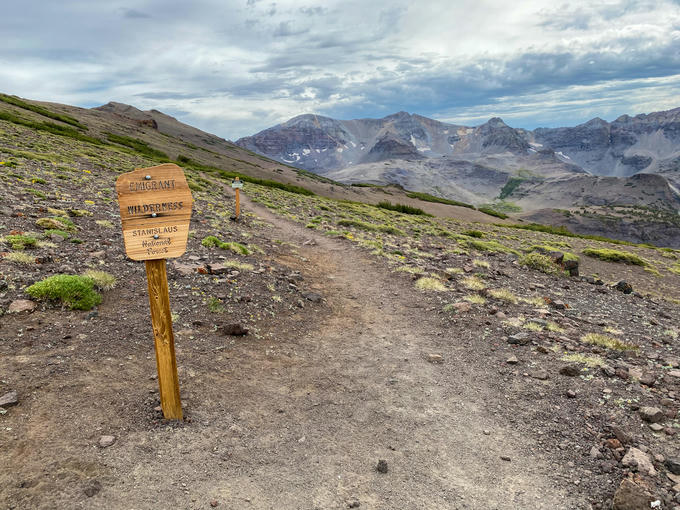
[[234, 67]]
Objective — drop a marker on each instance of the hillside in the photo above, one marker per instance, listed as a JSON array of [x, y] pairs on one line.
[[487, 364]]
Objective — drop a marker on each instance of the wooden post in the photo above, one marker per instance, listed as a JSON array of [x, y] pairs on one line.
[[238, 201], [159, 301]]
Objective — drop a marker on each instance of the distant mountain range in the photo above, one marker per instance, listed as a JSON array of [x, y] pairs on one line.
[[593, 164]]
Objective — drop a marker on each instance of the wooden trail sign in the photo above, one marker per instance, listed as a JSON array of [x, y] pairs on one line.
[[155, 211]]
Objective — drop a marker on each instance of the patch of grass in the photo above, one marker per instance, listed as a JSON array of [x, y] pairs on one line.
[[591, 361], [20, 257], [75, 292], [235, 264], [215, 305], [473, 233], [20, 241], [539, 262], [430, 284], [101, 279], [481, 263], [473, 283], [532, 326], [431, 198], [37, 193], [608, 342], [504, 295], [491, 246], [609, 255], [138, 146], [405, 209], [105, 223], [58, 232], [453, 270], [214, 242], [475, 299], [370, 227], [41, 111], [79, 212], [510, 186], [56, 223], [492, 212], [554, 327], [675, 268]]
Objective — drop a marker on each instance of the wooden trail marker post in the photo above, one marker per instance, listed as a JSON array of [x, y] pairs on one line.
[[155, 210], [237, 184]]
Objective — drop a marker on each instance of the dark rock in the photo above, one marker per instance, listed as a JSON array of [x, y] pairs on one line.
[[519, 339], [233, 330], [651, 414], [624, 286], [558, 305], [93, 488], [312, 296], [608, 371], [571, 266], [570, 370], [540, 374], [9, 399], [505, 458], [621, 435], [648, 379], [354, 504], [571, 394], [631, 496], [673, 465], [382, 466]]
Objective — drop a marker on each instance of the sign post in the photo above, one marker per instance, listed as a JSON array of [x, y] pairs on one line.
[[155, 210], [237, 184]]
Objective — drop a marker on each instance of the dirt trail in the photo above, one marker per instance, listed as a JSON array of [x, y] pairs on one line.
[[358, 388]]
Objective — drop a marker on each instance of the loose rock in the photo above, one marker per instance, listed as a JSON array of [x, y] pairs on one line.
[[233, 330], [106, 441], [312, 296], [638, 458], [382, 466], [631, 496], [22, 305], [651, 414], [570, 370], [9, 399]]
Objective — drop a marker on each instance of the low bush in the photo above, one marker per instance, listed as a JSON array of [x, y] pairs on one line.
[[406, 209], [426, 197], [473, 233], [75, 292], [608, 342], [615, 256], [539, 262], [215, 242], [493, 212], [20, 241]]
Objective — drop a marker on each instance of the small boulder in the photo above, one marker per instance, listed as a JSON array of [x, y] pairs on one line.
[[462, 307], [541, 375], [638, 458], [9, 399], [673, 465], [631, 496], [312, 296], [233, 330], [648, 379], [381, 466], [435, 358], [570, 370], [106, 441], [651, 414], [22, 305], [624, 286], [519, 339], [93, 488], [512, 360]]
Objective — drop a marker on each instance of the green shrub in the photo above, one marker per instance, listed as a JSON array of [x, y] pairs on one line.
[[473, 233], [19, 241], [56, 223], [509, 187], [615, 256], [75, 292], [425, 197], [406, 209], [539, 262], [492, 212], [492, 246]]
